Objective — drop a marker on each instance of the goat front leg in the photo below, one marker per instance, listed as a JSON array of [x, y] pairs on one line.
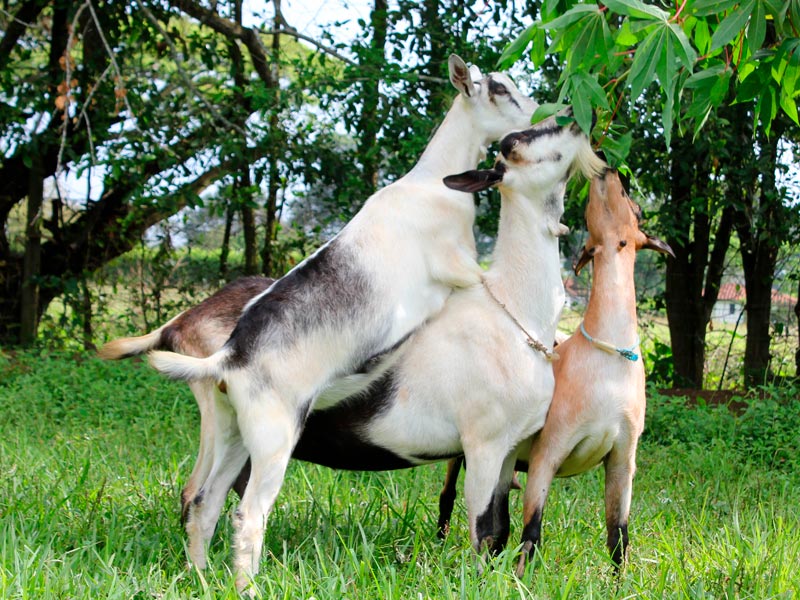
[[620, 467], [270, 432], [545, 458], [456, 267]]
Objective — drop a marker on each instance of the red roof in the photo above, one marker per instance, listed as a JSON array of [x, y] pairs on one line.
[[735, 291]]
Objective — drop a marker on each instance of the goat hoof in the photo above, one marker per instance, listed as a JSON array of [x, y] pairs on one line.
[[523, 558]]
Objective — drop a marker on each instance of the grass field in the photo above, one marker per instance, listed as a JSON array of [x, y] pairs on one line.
[[93, 455]]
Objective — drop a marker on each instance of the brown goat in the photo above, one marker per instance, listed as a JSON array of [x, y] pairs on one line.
[[597, 413]]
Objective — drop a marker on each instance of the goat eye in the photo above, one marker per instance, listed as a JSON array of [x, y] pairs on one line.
[[623, 243], [497, 89]]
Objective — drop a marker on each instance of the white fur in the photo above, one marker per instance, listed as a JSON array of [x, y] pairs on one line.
[[413, 243]]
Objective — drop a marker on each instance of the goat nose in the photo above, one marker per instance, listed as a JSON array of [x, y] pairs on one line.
[[509, 142]]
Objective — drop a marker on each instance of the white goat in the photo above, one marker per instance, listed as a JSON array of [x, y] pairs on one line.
[[479, 389], [597, 413], [388, 271], [477, 379], [198, 331]]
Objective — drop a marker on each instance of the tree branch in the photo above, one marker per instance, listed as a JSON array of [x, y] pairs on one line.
[[249, 37], [19, 22]]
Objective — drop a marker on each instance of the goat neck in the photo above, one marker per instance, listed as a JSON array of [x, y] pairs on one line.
[[611, 311], [526, 271], [456, 145]]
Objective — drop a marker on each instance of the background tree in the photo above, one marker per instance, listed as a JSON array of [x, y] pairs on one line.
[[730, 63]]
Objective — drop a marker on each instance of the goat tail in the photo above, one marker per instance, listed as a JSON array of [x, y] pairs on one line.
[[187, 368], [135, 346], [130, 346]]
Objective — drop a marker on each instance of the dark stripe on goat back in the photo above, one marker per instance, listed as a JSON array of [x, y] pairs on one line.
[[328, 289], [334, 437]]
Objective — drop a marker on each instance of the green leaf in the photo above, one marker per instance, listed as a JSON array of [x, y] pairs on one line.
[[636, 9], [645, 61], [546, 110], [686, 53], [702, 36], [773, 7], [732, 25], [706, 8], [591, 44], [704, 77], [576, 13], [582, 109], [617, 151], [766, 109], [538, 53], [550, 9], [789, 105], [625, 36], [514, 50], [757, 30], [587, 85]]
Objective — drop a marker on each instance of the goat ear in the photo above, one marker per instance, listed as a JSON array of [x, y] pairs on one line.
[[459, 75], [587, 254], [474, 181], [653, 243]]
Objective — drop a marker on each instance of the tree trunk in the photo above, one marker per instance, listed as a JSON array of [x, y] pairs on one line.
[[760, 227], [226, 243], [248, 225], [686, 311], [797, 353], [276, 134], [86, 314], [369, 123], [31, 270]]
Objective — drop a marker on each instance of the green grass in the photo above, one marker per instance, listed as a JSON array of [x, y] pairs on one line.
[[93, 455]]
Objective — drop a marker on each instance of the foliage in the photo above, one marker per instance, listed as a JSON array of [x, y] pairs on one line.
[[612, 51], [85, 513], [761, 427]]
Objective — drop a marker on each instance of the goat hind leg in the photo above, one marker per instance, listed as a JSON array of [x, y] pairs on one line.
[[541, 470], [447, 497], [228, 455], [204, 395], [270, 432], [484, 490]]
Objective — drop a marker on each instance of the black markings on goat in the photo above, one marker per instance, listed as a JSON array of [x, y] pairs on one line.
[[326, 290], [332, 437]]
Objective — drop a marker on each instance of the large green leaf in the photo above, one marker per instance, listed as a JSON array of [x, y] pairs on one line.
[[636, 9], [789, 104], [686, 53], [576, 13], [592, 43], [732, 25], [513, 52], [645, 62], [546, 110], [707, 8], [757, 30]]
